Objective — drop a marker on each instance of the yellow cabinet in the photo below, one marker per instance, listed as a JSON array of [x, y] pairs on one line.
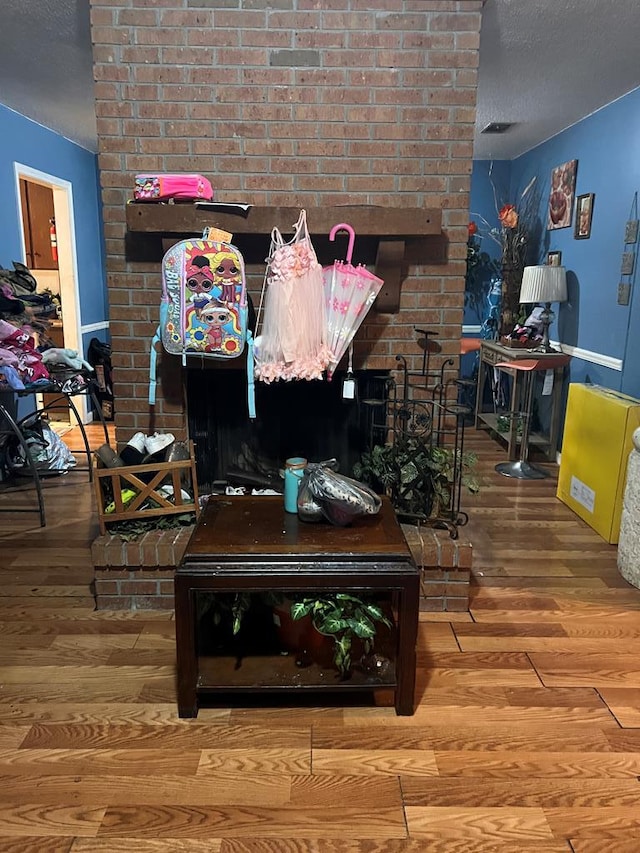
[[597, 441]]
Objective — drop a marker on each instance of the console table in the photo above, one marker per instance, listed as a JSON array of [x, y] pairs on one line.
[[492, 354], [250, 544]]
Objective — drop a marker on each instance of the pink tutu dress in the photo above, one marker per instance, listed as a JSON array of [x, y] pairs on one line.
[[291, 340]]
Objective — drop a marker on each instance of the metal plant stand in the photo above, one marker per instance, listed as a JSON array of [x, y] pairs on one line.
[[419, 415]]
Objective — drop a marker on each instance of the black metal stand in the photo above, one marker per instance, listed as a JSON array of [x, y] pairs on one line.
[[422, 412], [13, 428]]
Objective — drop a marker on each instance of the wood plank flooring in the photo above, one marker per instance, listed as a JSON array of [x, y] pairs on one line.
[[526, 736]]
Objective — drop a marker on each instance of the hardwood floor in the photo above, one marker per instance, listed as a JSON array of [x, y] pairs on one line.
[[526, 736]]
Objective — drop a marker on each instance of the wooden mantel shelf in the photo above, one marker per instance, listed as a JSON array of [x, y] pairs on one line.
[[367, 220], [396, 235]]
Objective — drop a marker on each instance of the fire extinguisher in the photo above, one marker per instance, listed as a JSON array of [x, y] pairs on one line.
[[53, 239]]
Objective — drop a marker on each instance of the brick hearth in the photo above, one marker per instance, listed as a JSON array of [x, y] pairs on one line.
[[138, 574], [445, 568]]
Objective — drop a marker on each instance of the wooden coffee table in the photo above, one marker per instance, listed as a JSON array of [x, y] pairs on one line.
[[250, 544]]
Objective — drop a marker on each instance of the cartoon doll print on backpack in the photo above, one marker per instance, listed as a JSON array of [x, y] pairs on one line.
[[204, 299], [204, 305]]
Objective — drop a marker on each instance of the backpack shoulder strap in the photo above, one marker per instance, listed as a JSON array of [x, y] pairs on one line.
[[251, 386], [153, 358], [153, 355]]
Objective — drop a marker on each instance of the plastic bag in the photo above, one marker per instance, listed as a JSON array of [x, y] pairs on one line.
[[324, 493], [46, 449], [308, 508]]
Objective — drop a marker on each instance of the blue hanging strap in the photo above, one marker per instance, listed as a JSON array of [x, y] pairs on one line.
[[152, 367], [251, 387], [164, 310]]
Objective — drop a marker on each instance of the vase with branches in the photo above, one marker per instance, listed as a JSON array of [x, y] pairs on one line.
[[481, 273], [514, 236]]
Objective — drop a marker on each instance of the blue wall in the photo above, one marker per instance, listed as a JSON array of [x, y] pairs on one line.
[[606, 145], [25, 142], [490, 186]]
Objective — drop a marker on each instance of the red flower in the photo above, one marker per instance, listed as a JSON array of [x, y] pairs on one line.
[[473, 229], [508, 216]]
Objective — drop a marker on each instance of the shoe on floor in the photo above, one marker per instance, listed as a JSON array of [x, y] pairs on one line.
[[133, 452], [158, 441], [167, 492], [109, 458], [138, 441]]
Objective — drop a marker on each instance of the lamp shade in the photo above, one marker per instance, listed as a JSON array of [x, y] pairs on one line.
[[544, 284]]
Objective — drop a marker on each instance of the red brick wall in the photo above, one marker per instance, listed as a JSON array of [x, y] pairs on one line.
[[296, 103]]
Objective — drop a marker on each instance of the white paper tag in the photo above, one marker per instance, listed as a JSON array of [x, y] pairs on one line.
[[349, 389], [581, 493], [547, 385]]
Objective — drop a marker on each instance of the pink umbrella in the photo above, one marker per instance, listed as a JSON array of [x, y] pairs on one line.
[[349, 294]]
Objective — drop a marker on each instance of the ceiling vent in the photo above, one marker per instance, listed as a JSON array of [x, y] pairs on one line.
[[497, 127]]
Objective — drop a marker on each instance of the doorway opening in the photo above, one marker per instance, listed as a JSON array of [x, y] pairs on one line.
[[45, 201]]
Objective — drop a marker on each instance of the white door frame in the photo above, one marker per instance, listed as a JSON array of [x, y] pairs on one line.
[[67, 259]]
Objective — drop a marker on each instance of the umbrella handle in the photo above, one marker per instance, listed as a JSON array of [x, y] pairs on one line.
[[342, 226]]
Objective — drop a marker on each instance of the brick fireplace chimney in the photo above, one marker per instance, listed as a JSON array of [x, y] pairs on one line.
[[294, 104]]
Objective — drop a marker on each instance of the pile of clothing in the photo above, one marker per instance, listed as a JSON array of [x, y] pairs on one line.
[[21, 364], [531, 331], [20, 361], [24, 318], [21, 305]]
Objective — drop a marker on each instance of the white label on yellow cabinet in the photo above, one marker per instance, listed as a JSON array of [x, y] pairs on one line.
[[582, 494]]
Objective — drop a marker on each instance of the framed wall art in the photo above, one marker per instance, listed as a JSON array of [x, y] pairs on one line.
[[584, 214], [628, 263], [631, 231], [554, 259], [563, 187]]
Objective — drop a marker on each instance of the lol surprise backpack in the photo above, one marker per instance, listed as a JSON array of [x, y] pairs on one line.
[[204, 307]]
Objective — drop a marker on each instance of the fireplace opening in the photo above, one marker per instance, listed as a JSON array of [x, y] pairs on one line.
[[308, 419]]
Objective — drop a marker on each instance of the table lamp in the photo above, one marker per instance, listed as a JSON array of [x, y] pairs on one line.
[[544, 284]]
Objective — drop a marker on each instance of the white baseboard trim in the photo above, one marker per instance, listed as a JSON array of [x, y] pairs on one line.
[[593, 357], [94, 327]]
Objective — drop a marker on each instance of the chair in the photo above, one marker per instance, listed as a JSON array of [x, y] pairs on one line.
[[469, 345], [467, 386], [9, 428], [520, 469]]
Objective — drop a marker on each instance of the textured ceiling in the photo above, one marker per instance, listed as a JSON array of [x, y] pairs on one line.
[[544, 64], [46, 65]]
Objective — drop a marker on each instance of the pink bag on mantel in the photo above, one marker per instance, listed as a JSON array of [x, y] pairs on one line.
[[163, 187]]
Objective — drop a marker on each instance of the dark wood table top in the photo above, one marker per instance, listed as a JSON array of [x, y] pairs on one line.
[[235, 529]]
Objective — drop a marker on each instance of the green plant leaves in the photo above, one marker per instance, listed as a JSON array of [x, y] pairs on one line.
[[343, 616], [300, 609], [416, 474]]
